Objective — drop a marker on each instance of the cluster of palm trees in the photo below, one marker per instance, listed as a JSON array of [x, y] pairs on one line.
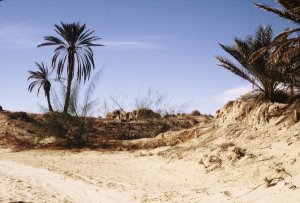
[[73, 52], [272, 65]]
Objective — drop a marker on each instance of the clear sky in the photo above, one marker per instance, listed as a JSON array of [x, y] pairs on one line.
[[168, 45]]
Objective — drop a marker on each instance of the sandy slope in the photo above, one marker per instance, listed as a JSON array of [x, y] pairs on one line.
[[229, 160]]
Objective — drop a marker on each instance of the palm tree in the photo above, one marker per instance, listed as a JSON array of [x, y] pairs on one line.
[[255, 71], [75, 48], [285, 47], [41, 79], [290, 11]]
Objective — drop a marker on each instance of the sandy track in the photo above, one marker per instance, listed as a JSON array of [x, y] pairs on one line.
[[27, 183]]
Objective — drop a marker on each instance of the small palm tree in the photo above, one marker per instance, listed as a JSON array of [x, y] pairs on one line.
[[255, 71], [41, 79], [74, 47]]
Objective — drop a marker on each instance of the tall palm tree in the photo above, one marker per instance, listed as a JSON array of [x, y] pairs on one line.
[[255, 71], [41, 79], [290, 11], [74, 48]]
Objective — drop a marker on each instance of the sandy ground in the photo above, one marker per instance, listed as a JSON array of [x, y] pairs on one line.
[[95, 177], [248, 160], [25, 183], [60, 176], [64, 176]]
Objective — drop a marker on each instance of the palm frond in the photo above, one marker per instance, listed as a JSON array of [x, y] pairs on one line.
[[75, 39], [256, 70], [234, 68], [291, 5], [286, 14]]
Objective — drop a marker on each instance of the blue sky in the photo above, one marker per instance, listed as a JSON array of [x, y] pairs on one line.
[[166, 45]]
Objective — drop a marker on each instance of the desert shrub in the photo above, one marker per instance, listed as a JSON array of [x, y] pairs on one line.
[[147, 129], [151, 99], [195, 113], [79, 130], [22, 116], [228, 104], [116, 102], [54, 124], [114, 114], [71, 131], [144, 113], [75, 126]]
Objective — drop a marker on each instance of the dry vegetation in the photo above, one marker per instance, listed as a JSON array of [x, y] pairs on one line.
[[58, 130]]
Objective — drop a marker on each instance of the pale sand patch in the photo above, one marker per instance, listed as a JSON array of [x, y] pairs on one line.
[[127, 177], [25, 183]]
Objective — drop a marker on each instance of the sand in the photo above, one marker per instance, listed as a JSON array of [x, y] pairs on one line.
[[233, 159]]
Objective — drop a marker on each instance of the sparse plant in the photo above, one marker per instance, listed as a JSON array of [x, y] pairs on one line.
[[116, 102], [81, 121], [21, 116], [195, 113], [151, 100], [53, 124], [175, 109]]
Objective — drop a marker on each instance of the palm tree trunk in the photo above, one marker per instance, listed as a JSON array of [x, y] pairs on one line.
[[69, 82], [49, 102], [269, 91]]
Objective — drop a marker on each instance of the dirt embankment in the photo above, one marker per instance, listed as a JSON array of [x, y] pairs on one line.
[[56, 130]]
